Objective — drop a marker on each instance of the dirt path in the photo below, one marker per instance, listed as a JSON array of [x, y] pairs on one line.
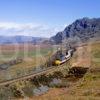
[[83, 57]]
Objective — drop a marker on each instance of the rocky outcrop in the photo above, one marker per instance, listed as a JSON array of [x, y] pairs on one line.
[[80, 30]]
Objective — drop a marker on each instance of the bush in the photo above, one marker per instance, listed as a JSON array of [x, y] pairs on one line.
[[58, 74], [28, 91], [16, 93]]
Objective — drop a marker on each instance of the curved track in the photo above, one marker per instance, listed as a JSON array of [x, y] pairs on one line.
[[44, 71]]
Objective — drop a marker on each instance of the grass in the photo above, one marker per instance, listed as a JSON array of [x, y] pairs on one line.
[[34, 57], [22, 53], [87, 88], [96, 55]]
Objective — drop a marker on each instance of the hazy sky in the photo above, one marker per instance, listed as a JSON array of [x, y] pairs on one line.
[[43, 17]]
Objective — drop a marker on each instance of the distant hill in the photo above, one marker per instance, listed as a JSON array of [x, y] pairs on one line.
[[20, 39], [80, 30]]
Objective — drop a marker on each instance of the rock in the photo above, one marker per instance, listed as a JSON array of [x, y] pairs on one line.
[[81, 30]]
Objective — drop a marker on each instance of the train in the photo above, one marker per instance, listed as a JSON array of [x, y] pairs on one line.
[[65, 58]]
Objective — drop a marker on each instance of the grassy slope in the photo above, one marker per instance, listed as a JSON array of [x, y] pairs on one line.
[[32, 58], [88, 88]]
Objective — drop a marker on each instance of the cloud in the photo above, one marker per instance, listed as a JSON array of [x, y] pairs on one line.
[[27, 29]]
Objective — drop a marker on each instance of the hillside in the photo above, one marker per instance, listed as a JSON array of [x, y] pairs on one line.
[[61, 82], [57, 84], [87, 87], [20, 39], [81, 30]]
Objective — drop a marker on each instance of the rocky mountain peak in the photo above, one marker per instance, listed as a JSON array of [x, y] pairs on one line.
[[83, 29]]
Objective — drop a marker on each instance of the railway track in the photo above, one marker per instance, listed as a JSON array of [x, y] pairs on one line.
[[43, 71], [29, 76]]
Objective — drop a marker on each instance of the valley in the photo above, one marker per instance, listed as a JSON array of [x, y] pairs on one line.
[[65, 65], [85, 56]]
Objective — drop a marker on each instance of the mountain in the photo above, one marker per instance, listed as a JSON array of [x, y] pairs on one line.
[[20, 39], [81, 30]]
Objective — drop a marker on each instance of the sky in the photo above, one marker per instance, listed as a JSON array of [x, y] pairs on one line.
[[43, 18]]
